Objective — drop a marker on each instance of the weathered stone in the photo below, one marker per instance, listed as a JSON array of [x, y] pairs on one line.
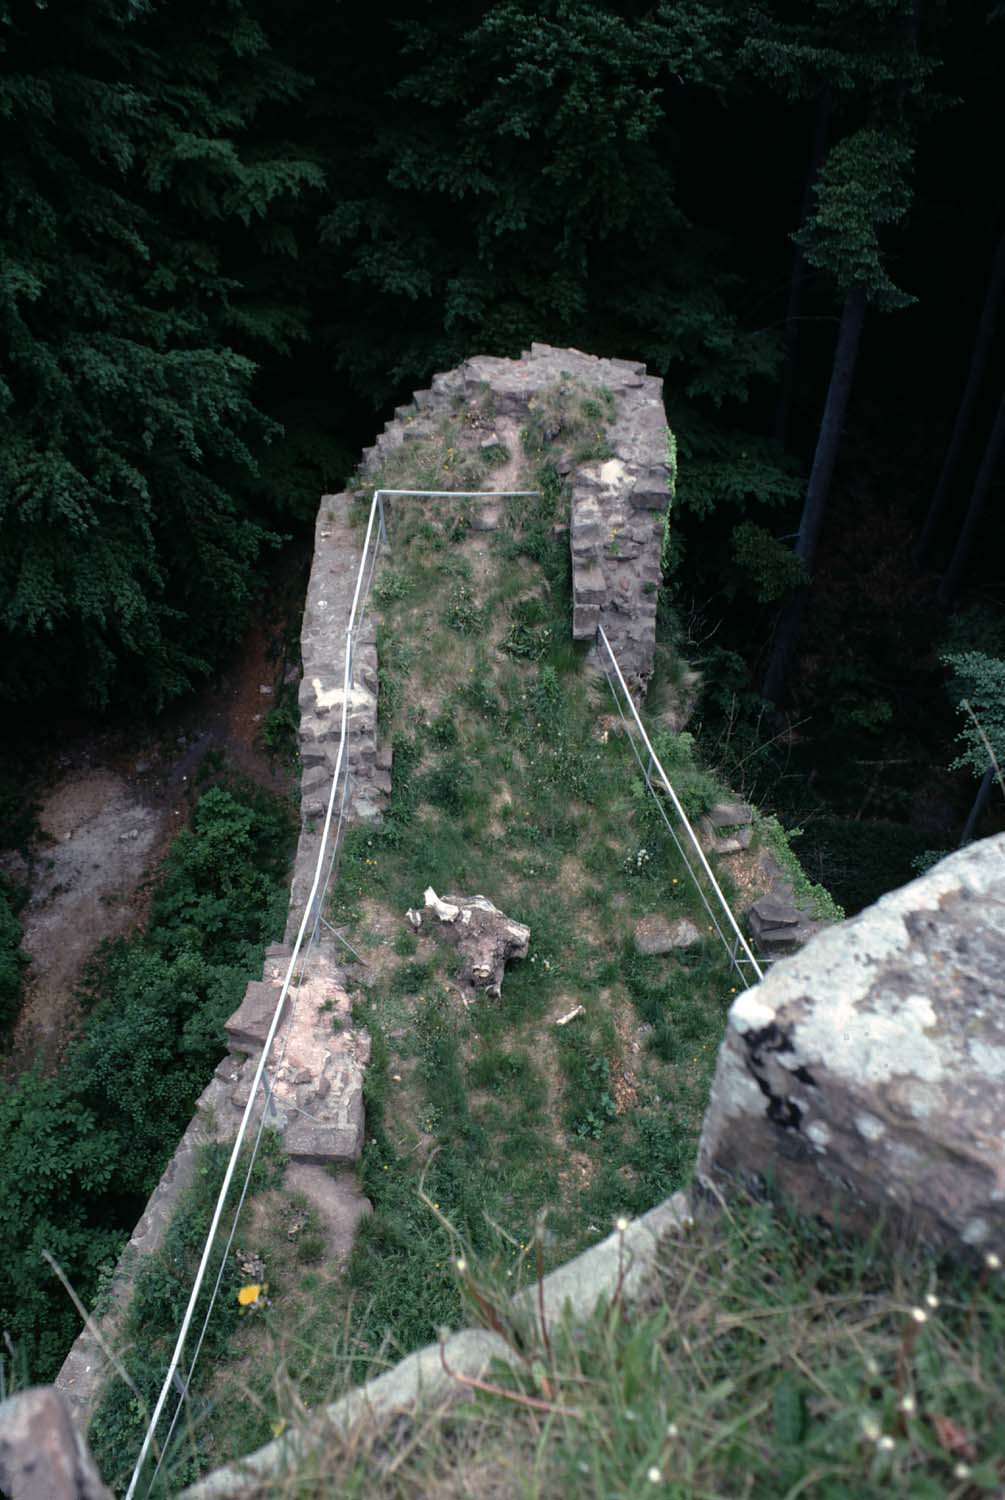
[[42, 1456], [730, 814], [865, 1074], [248, 1026], [775, 910], [485, 937], [732, 843], [656, 934]]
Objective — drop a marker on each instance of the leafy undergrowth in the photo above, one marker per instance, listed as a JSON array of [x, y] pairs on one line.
[[84, 1148], [769, 1359], [147, 1337]]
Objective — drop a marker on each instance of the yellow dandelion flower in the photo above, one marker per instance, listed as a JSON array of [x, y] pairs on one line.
[[249, 1295]]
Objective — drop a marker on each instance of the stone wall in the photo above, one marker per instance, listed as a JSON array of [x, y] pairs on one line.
[[318, 1058], [317, 1067], [866, 1075], [618, 503]]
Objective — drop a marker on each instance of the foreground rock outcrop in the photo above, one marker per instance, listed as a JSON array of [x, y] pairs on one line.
[[866, 1075], [42, 1455]]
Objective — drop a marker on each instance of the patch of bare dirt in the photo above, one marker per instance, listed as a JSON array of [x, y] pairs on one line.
[[337, 1202], [112, 803]]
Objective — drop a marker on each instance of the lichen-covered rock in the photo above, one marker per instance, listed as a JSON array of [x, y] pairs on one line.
[[867, 1073], [42, 1456], [485, 937]]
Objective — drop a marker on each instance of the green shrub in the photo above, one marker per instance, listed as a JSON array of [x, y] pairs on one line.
[[696, 788], [451, 785], [161, 1292], [83, 1149], [12, 964]]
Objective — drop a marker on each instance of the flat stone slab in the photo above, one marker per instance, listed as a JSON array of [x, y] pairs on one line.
[[249, 1025], [730, 814], [866, 1075], [656, 934], [774, 910]]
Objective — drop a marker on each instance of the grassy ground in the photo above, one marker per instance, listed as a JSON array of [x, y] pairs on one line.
[[508, 782], [767, 1360]]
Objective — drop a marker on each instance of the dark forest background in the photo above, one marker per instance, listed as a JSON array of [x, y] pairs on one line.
[[235, 234]]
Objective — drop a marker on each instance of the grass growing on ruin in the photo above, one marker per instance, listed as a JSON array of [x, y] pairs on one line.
[[767, 1358], [150, 1328], [507, 783]]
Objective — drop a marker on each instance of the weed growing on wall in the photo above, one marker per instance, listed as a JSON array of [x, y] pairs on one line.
[[151, 1325]]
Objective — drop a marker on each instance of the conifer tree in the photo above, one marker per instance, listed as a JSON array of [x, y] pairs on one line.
[[126, 548], [863, 186]]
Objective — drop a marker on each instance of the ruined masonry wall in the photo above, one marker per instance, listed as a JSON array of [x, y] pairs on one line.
[[618, 504], [615, 532]]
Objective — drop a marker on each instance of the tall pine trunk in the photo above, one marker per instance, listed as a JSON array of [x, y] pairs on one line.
[[818, 489], [980, 802], [798, 278], [949, 586], [964, 415]]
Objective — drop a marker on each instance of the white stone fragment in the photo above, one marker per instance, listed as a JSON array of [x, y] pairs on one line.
[[445, 910]]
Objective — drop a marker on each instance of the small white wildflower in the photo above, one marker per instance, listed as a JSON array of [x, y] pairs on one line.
[[871, 1366], [621, 1225], [673, 1430], [961, 1471], [871, 1429], [919, 1315], [885, 1444], [461, 1265], [993, 1261], [931, 1300], [907, 1403], [654, 1476]]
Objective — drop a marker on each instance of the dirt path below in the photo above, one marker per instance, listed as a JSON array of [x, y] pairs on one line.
[[112, 804]]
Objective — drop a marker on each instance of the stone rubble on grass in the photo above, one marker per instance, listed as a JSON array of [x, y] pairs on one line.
[[866, 1074], [317, 1060], [486, 939], [727, 828], [657, 934], [779, 923], [42, 1455]]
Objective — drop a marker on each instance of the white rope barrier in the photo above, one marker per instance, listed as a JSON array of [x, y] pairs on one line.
[[656, 764], [312, 909]]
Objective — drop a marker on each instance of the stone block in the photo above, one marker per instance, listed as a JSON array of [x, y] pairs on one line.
[[864, 1077], [42, 1457], [248, 1026], [585, 619], [589, 586], [657, 934], [730, 814]]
